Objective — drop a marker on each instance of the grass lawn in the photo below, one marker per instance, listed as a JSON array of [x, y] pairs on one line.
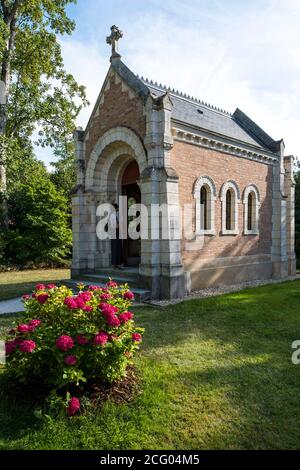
[[216, 374], [17, 283]]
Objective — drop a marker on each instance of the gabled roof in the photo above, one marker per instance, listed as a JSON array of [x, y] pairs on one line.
[[193, 112]]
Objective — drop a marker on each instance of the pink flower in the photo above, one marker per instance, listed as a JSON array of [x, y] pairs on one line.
[[25, 296], [33, 296], [101, 338], [27, 346], [108, 309], [136, 337], [86, 296], [105, 296], [73, 406], [70, 360], [40, 287], [94, 288], [10, 346], [70, 302], [112, 320], [42, 298], [82, 340], [88, 308], [128, 295], [125, 317], [112, 284], [23, 328], [51, 286], [64, 343], [33, 324], [80, 302]]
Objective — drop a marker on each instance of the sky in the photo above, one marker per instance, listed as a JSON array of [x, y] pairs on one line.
[[229, 53]]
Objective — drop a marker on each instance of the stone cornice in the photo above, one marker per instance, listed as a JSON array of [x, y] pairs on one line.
[[224, 146]]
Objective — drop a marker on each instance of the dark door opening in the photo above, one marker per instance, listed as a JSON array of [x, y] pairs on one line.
[[130, 189]]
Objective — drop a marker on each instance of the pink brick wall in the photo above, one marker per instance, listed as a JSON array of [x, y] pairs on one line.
[[190, 162]]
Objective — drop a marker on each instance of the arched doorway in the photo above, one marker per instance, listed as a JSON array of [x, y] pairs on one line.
[[130, 189]]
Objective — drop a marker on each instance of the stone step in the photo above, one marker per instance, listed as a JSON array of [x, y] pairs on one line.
[[130, 272], [120, 278], [140, 295]]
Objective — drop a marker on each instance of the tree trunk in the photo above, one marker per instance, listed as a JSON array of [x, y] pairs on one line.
[[9, 17]]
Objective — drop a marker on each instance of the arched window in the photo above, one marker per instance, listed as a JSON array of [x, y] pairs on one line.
[[230, 197], [250, 214], [204, 204], [229, 210], [251, 210], [205, 195]]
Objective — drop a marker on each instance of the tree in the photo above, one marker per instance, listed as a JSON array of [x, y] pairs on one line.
[[39, 223], [64, 174], [39, 92]]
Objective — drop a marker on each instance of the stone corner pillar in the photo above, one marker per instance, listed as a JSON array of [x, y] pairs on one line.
[[161, 266], [279, 219], [289, 187], [83, 226], [172, 271]]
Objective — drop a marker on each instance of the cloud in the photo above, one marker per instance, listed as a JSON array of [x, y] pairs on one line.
[[224, 54]]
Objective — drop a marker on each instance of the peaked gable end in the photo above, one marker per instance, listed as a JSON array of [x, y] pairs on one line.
[[118, 104]]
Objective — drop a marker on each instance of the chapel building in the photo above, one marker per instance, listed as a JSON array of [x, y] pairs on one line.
[[158, 146]]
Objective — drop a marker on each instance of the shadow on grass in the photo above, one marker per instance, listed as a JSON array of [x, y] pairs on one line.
[[16, 420], [253, 315], [258, 402]]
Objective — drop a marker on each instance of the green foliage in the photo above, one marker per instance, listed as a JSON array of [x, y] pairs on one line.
[[42, 93], [43, 100], [64, 175], [39, 226], [58, 326]]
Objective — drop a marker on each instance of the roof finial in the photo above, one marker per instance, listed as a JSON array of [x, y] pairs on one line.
[[113, 39]]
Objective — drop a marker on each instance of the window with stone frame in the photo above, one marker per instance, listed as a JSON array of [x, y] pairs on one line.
[[230, 198], [205, 196], [251, 202]]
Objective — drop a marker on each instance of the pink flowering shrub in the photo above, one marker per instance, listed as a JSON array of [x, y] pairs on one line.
[[67, 340]]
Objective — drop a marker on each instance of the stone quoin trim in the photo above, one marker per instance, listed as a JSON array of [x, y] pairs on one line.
[[209, 185], [235, 192], [251, 189], [114, 135]]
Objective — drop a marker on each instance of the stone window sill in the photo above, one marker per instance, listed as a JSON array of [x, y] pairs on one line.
[[201, 233], [229, 232], [251, 232]]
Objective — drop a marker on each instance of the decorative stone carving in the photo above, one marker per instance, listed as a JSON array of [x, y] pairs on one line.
[[115, 36]]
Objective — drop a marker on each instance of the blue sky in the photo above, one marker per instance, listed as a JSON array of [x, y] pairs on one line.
[[230, 53]]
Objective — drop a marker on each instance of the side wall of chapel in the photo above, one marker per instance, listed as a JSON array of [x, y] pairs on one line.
[[225, 259]]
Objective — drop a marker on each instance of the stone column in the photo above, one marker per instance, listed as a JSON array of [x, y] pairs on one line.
[[290, 213], [279, 205], [161, 266], [79, 257], [149, 269], [172, 272]]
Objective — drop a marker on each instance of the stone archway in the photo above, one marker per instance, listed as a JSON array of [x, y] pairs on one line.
[[112, 153], [113, 142]]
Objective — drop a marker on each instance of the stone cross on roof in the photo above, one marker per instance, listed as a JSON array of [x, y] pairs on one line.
[[113, 39]]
